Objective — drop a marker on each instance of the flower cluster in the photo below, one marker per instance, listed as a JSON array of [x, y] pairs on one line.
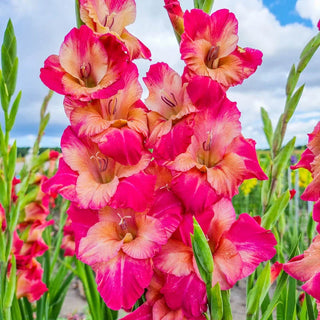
[[306, 267], [137, 172], [28, 242]]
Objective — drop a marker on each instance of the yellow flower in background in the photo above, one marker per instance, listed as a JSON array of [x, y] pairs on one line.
[[248, 185], [304, 177]]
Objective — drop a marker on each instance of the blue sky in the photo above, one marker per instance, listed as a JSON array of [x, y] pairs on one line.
[[286, 12], [278, 28]]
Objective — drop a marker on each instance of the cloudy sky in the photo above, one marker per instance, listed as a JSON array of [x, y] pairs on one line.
[[279, 28]]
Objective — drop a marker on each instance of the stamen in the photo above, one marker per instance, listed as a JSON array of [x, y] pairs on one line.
[[112, 106], [171, 102], [207, 144], [211, 59], [102, 162], [85, 70], [123, 224]]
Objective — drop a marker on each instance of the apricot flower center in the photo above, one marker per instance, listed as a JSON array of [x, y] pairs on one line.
[[212, 60]]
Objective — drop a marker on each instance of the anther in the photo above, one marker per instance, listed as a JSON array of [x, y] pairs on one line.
[[85, 70], [207, 144], [171, 102]]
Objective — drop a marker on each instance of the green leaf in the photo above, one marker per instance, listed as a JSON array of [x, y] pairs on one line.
[[44, 123], [9, 61], [292, 81], [207, 6], [309, 307], [3, 149], [196, 4], [78, 19], [258, 292], [291, 299], [11, 284], [282, 159], [227, 312], [202, 253], [13, 111], [277, 208], [4, 95], [216, 303], [281, 283], [12, 161], [292, 103], [267, 126], [308, 52]]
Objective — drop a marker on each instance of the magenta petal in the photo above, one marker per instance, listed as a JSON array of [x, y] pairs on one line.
[[134, 192], [194, 191], [188, 293], [63, 182], [312, 286], [174, 142], [168, 209], [254, 243], [144, 312], [51, 74], [122, 280], [123, 145]]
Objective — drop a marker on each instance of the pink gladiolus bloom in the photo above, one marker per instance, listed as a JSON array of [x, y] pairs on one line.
[[276, 268], [176, 16], [88, 67], [124, 109], [156, 306], [209, 48], [318, 25], [120, 247], [306, 268], [310, 160], [219, 158], [101, 180], [238, 246], [112, 16], [170, 106]]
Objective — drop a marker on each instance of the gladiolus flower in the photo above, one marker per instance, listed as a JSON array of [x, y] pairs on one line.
[[176, 16], [310, 160], [306, 268], [29, 283], [112, 16], [219, 158], [171, 112], [119, 244], [100, 180], [87, 67], [209, 48], [124, 109]]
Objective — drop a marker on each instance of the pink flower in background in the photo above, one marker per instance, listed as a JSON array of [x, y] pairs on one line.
[[310, 160], [29, 283], [3, 222], [87, 67], [209, 47], [318, 25], [306, 268], [68, 241], [176, 16], [112, 16]]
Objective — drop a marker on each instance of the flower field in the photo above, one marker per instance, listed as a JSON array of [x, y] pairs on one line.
[[159, 206]]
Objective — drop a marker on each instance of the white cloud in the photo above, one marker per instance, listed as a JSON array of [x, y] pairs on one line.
[[41, 26], [309, 9]]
